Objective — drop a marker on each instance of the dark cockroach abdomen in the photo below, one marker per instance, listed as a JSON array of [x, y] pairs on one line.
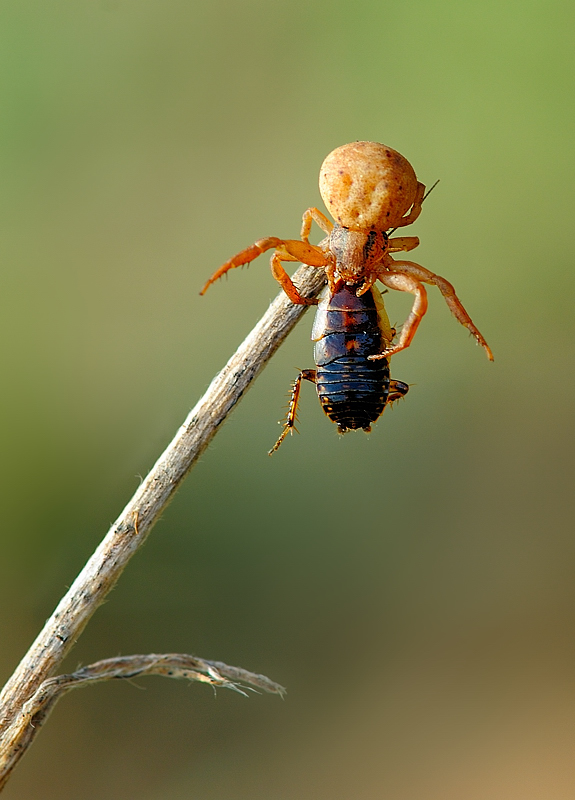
[[352, 390]]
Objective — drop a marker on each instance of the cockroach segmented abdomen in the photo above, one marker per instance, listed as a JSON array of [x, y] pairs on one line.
[[353, 391], [351, 394]]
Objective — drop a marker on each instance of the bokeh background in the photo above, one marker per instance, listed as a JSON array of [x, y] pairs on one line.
[[413, 588]]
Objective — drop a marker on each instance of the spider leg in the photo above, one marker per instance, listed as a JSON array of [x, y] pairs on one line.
[[404, 243], [244, 257], [286, 282], [405, 283], [287, 250], [314, 215], [415, 208], [419, 273]]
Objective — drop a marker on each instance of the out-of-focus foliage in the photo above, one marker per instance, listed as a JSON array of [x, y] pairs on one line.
[[413, 589]]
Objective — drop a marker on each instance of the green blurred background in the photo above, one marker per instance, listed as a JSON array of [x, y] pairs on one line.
[[414, 588]]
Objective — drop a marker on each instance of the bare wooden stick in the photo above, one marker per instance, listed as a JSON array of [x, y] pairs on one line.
[[132, 527], [19, 735]]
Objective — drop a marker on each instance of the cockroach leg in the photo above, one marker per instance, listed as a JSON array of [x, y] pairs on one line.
[[289, 424], [397, 390]]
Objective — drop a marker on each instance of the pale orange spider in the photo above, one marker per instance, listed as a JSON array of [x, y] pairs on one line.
[[370, 190]]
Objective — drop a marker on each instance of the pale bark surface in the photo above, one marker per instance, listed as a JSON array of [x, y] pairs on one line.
[[132, 527]]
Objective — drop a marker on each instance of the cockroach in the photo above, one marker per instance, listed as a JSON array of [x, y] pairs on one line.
[[352, 388], [370, 190]]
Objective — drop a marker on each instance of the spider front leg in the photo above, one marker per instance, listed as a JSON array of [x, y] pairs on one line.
[[404, 283], [415, 208], [287, 250], [314, 215], [403, 243], [293, 250], [419, 273], [286, 282], [243, 257]]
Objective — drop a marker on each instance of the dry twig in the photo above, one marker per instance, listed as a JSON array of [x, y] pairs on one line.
[[31, 692], [19, 735]]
